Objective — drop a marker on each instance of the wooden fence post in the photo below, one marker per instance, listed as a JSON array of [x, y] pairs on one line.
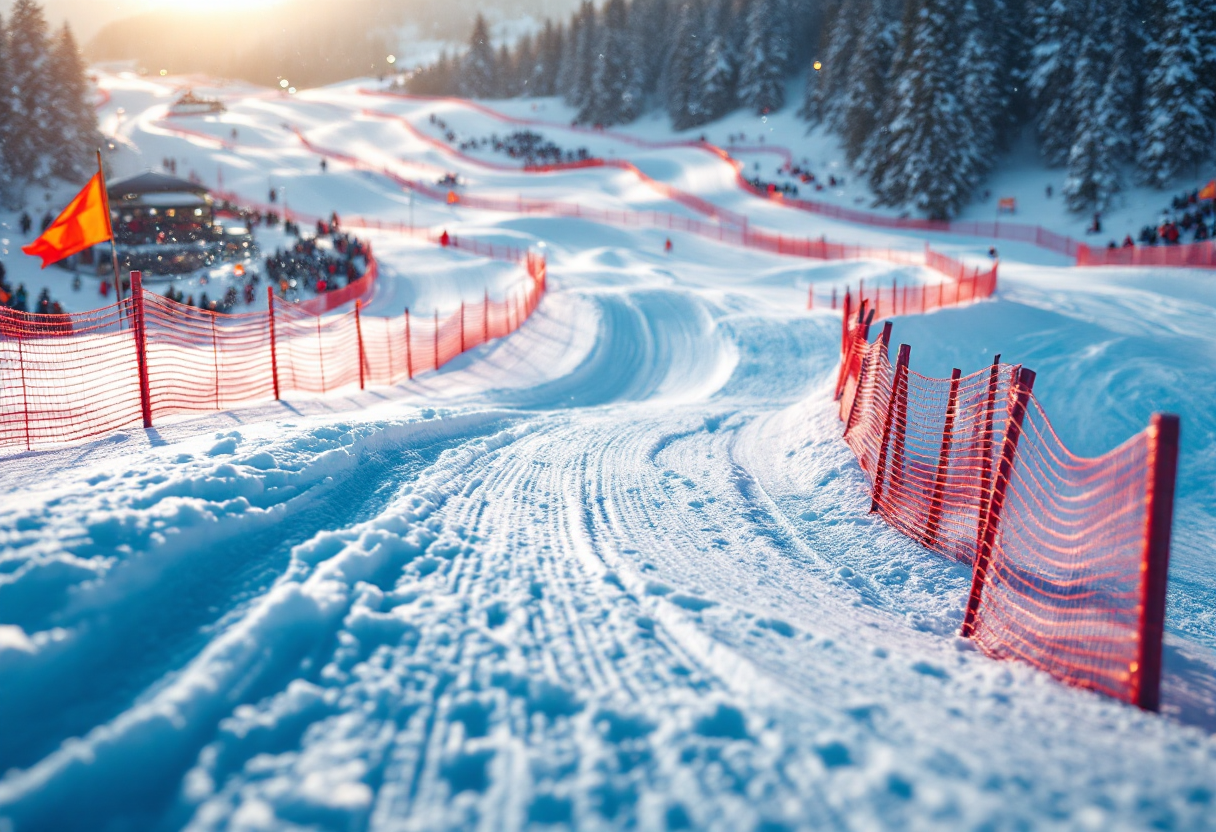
[[274, 355], [893, 429], [141, 348], [936, 503], [1020, 399], [1163, 435]]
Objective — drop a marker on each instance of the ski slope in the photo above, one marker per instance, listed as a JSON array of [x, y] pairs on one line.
[[615, 571]]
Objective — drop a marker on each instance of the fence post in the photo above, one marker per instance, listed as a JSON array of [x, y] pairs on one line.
[[25, 402], [359, 341], [215, 359], [485, 318], [936, 504], [992, 524], [141, 348], [994, 380], [409, 356], [274, 355], [848, 345], [893, 425], [1163, 434], [861, 374], [462, 327], [436, 339]]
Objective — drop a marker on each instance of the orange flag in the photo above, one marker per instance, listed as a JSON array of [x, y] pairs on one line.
[[1209, 190], [85, 222]]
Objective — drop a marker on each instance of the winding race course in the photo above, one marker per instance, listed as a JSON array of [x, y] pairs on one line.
[[615, 571]]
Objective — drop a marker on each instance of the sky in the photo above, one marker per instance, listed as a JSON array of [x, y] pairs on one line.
[[87, 16]]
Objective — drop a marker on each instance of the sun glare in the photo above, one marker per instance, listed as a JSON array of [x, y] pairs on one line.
[[210, 5]]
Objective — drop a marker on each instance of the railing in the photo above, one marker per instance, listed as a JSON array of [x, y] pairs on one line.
[[70, 377], [1069, 556]]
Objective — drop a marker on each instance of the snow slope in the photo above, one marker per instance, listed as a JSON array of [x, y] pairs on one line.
[[616, 571]]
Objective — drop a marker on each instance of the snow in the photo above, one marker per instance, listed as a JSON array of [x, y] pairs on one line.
[[614, 571]]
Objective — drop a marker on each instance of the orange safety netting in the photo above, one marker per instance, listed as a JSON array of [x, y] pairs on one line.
[[68, 377], [1070, 555]]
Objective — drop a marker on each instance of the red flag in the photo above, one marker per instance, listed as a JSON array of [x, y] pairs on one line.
[[84, 223], [1209, 190]]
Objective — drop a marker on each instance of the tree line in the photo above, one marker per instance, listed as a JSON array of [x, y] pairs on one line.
[[48, 119], [925, 94]]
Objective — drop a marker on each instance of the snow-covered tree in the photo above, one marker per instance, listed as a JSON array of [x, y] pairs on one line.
[[824, 86], [1178, 105], [765, 59], [863, 92], [478, 71], [76, 121], [615, 95], [921, 159], [682, 75], [32, 119], [1056, 27], [650, 23], [1092, 172], [720, 64]]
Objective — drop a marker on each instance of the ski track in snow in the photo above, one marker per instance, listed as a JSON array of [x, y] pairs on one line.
[[616, 571]]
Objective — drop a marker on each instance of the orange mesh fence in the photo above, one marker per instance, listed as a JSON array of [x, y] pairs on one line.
[[1070, 555], [1012, 231], [964, 284], [1195, 255], [69, 377], [66, 377]]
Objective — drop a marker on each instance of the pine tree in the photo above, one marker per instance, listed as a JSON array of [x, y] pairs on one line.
[[824, 87], [765, 61], [921, 159], [1177, 123], [981, 72], [615, 94], [8, 186], [478, 71], [542, 77], [1055, 27], [1092, 173], [650, 22], [719, 65], [33, 122], [76, 116], [863, 92], [682, 75]]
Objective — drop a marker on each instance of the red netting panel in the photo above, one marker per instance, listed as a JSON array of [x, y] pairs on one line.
[[452, 334], [1063, 591], [200, 360], [384, 352], [867, 414], [1199, 255], [315, 354], [66, 377], [942, 449]]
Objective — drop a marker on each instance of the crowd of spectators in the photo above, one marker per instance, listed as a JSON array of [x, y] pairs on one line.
[[18, 298], [324, 263], [532, 149], [1189, 219]]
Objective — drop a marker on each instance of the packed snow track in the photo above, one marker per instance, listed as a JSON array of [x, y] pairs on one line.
[[616, 571]]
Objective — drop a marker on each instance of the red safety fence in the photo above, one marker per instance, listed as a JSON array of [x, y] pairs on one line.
[[1011, 231], [1070, 555], [965, 284], [70, 377], [1194, 255]]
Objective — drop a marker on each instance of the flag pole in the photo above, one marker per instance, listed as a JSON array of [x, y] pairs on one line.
[[105, 198]]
